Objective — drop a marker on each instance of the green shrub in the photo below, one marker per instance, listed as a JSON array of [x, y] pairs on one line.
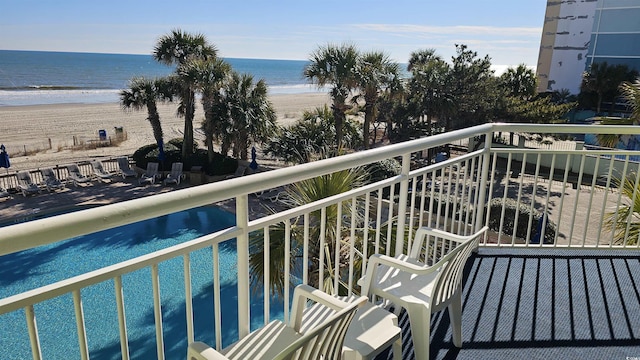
[[522, 228], [383, 169], [221, 165]]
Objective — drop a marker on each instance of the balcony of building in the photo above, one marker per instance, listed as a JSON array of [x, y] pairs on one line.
[[553, 277]]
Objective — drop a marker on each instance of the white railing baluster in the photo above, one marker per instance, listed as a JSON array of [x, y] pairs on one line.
[[322, 248], [305, 250], [378, 222], [576, 202], [242, 250], [534, 192], [634, 196], [365, 231], [390, 218], [352, 244], [266, 246], [587, 218], [157, 311], [519, 197], [622, 176], [287, 267], [560, 207], [188, 297], [217, 303], [545, 217], [606, 196], [337, 249], [122, 319], [402, 203], [507, 176], [82, 332], [34, 340]]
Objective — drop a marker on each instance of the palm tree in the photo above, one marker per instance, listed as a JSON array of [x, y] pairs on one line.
[[429, 85], [624, 221], [208, 77], [335, 66], [520, 81], [252, 114], [630, 93], [301, 193], [144, 93], [375, 72], [177, 48]]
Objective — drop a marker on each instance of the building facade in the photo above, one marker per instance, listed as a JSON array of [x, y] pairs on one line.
[[564, 44], [615, 37]]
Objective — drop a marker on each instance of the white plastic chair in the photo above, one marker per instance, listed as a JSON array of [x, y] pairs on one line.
[[50, 180], [150, 175], [424, 287], [26, 184], [295, 340], [175, 175], [75, 175], [98, 170], [125, 169]]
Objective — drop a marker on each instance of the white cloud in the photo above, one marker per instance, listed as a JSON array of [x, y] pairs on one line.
[[451, 30]]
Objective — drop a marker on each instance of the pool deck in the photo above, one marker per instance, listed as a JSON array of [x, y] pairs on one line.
[[18, 208]]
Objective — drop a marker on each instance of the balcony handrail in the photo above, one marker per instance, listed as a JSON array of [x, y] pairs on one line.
[[49, 230]]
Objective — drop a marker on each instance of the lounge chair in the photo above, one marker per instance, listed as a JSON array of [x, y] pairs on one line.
[[99, 171], [26, 184], [150, 174], [424, 287], [176, 174], [303, 336], [50, 179], [125, 169], [4, 193], [76, 176], [241, 170]]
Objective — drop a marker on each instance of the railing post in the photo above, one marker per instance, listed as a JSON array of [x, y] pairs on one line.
[[484, 177], [242, 244], [402, 202]]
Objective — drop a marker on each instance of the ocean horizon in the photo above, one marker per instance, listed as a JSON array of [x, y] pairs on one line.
[[43, 77]]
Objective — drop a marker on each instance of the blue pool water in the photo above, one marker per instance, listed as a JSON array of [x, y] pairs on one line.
[[55, 318]]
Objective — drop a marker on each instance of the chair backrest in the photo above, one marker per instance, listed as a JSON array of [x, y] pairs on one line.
[[48, 174], [24, 177], [97, 166], [152, 169], [324, 340], [176, 169], [456, 250], [123, 163], [240, 170], [74, 170]]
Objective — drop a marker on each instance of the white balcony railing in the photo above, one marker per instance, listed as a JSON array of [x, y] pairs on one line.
[[573, 189]]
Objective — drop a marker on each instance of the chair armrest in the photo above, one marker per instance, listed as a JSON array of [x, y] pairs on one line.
[[303, 292], [422, 232], [201, 351], [400, 264]]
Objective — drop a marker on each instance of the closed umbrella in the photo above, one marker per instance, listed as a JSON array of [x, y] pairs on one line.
[[4, 158], [253, 165]]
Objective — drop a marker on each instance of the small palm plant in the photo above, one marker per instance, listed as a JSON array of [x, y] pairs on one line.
[[299, 194], [624, 221]]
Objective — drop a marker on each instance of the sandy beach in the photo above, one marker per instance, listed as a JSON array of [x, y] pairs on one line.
[[36, 128]]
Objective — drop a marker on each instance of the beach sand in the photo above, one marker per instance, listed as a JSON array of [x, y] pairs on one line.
[[36, 128]]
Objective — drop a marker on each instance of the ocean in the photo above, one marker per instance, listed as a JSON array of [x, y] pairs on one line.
[[40, 77]]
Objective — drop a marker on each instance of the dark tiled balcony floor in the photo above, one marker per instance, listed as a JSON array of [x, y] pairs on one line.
[[543, 304]]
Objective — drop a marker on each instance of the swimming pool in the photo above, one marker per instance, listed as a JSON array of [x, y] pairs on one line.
[[33, 268]]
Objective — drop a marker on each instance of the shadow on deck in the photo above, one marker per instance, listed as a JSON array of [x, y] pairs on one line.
[[543, 304]]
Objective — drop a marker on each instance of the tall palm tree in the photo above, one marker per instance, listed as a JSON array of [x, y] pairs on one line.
[[254, 118], [208, 76], [375, 72], [336, 66], [176, 48], [429, 85], [520, 81], [145, 93]]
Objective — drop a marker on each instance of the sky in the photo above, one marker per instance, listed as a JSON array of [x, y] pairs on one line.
[[509, 31]]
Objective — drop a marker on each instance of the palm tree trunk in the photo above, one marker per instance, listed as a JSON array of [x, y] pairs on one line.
[[154, 120], [187, 144], [369, 114]]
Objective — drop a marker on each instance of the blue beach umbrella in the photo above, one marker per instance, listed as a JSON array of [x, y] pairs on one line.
[[4, 158], [160, 150], [253, 165]]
